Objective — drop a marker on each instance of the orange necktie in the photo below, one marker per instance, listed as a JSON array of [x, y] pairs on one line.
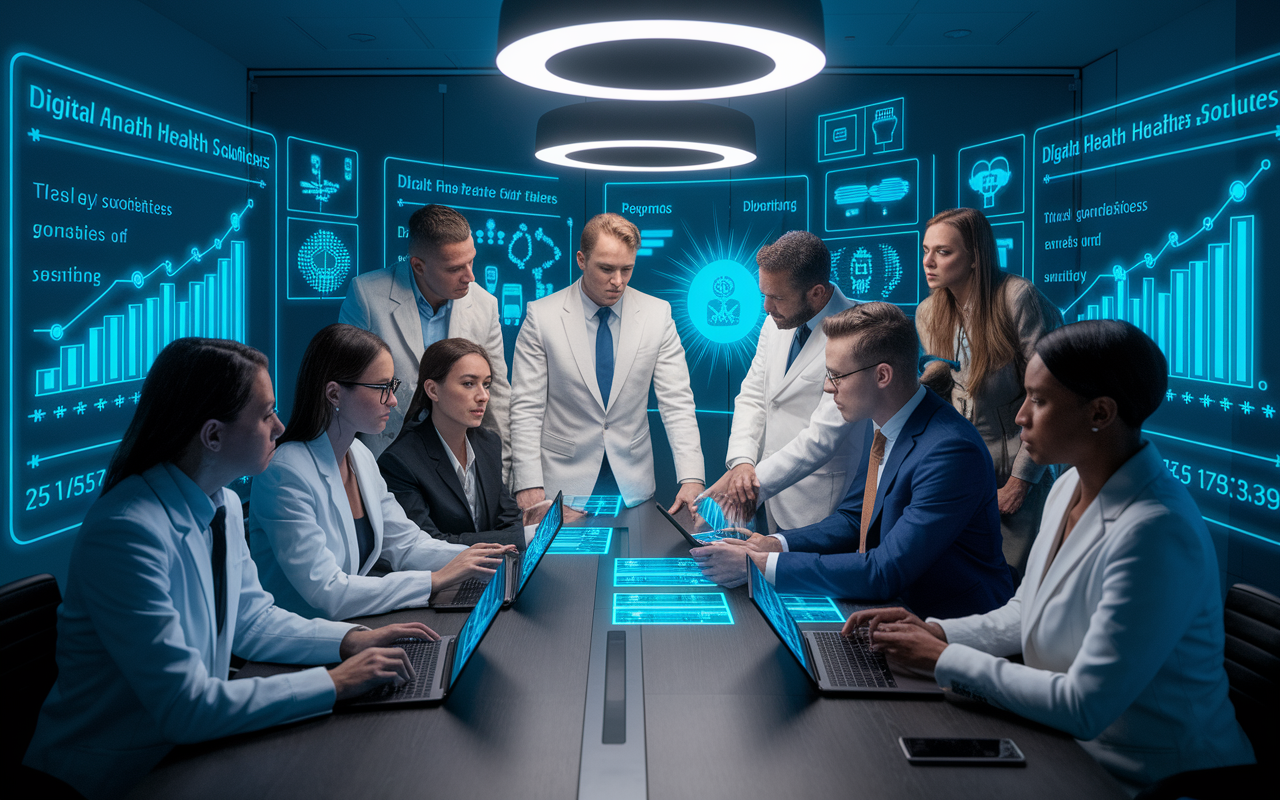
[[869, 494]]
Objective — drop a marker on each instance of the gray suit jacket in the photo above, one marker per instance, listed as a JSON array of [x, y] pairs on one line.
[[383, 302]]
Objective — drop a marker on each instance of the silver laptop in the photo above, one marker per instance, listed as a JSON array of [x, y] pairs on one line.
[[519, 567], [836, 664]]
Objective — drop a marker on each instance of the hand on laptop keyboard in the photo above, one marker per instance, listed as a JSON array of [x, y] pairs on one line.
[[369, 669]]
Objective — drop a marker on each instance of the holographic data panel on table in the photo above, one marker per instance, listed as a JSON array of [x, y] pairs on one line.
[[704, 608], [1159, 212], [582, 542], [630, 572], [136, 221], [804, 608]]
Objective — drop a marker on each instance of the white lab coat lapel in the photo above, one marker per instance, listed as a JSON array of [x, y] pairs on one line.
[[197, 544], [630, 333], [327, 466], [404, 309], [575, 331], [1116, 495], [814, 347]]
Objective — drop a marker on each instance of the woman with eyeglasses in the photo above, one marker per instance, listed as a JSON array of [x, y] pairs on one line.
[[445, 469], [985, 322], [320, 517]]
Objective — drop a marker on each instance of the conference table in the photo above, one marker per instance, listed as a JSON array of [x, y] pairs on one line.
[[688, 711]]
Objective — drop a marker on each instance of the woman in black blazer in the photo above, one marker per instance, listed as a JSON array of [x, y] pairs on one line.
[[444, 469]]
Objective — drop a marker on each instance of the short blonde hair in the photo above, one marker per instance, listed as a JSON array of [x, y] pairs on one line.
[[615, 225]]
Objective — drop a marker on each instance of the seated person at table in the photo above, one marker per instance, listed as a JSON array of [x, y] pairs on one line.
[[444, 469], [1119, 617], [320, 516], [920, 520], [161, 590]]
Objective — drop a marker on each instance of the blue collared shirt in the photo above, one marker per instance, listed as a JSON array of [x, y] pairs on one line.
[[435, 324]]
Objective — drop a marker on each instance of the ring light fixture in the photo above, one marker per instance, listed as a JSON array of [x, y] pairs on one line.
[[661, 49], [646, 137]]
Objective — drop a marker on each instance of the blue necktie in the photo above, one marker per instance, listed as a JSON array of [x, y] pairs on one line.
[[797, 342], [604, 354]]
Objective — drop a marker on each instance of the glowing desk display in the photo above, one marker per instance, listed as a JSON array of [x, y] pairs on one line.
[[658, 572], [703, 608], [596, 505], [575, 653], [812, 609], [581, 541]]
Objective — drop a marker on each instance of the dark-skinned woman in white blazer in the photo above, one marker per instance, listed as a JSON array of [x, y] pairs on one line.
[[321, 518], [1119, 617]]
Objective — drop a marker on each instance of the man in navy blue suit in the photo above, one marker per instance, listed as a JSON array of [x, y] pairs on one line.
[[920, 523]]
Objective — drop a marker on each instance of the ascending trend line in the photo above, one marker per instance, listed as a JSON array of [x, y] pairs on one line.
[[37, 136], [137, 280], [1235, 194], [37, 460]]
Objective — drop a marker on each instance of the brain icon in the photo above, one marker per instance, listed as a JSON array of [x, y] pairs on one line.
[[324, 261]]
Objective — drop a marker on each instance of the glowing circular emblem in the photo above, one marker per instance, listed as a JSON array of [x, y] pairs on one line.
[[723, 302], [324, 261]]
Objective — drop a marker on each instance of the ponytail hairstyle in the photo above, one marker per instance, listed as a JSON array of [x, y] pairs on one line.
[[339, 353], [191, 382], [437, 362], [993, 337]]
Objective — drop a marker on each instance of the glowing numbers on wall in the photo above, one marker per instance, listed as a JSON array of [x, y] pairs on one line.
[[723, 301]]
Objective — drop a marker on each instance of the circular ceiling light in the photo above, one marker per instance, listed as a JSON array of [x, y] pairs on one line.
[[661, 49], [649, 137]]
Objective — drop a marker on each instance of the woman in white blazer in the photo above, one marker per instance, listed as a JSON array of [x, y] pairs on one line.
[[320, 517], [161, 590], [1119, 618]]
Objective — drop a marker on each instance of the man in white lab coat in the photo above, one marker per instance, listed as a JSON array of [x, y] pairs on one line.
[[789, 447], [584, 361]]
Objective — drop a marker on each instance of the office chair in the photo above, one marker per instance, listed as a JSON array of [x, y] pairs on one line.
[[1252, 656]]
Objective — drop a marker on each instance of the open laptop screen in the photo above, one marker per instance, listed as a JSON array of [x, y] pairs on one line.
[[541, 541], [479, 618], [770, 605]]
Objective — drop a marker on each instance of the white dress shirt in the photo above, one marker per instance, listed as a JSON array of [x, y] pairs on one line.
[[466, 476], [435, 322], [590, 308], [891, 429]]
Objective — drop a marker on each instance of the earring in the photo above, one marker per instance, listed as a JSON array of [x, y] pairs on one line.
[[337, 410], [1095, 430]]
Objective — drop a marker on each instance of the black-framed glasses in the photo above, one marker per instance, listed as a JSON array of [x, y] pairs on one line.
[[835, 379], [389, 388]]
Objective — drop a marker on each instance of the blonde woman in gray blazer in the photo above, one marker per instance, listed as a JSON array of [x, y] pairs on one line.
[[987, 323]]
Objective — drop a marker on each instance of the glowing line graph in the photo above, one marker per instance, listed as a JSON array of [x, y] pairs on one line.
[[1235, 194], [37, 136], [139, 279], [1272, 460], [37, 460]]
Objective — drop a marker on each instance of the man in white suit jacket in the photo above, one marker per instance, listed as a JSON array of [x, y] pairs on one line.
[[789, 447], [564, 424], [434, 292]]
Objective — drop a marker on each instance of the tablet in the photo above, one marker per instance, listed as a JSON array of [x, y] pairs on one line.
[[703, 538]]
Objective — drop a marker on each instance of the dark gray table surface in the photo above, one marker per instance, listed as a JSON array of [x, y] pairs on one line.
[[728, 714]]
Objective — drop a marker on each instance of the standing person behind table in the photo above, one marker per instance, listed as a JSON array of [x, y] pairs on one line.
[[320, 517], [433, 296], [161, 590], [988, 321], [445, 470], [789, 447], [584, 361], [1119, 619]]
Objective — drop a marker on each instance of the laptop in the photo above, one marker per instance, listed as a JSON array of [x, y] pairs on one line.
[[436, 665], [705, 537], [519, 567], [836, 664]]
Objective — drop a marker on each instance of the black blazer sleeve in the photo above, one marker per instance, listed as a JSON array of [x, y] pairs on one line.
[[419, 474]]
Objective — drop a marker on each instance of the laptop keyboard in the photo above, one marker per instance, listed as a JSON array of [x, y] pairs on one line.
[[469, 592], [851, 662], [423, 656]]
